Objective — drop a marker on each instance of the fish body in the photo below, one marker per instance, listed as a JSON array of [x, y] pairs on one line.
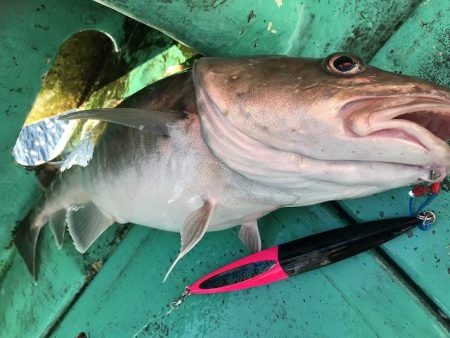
[[173, 175], [237, 138]]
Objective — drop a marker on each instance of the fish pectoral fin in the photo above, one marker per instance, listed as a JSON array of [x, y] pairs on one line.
[[57, 225], [193, 230], [81, 155], [86, 223], [156, 121], [249, 236]]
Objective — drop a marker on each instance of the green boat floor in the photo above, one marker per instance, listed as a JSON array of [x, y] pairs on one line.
[[424, 256], [421, 45], [29, 310], [358, 297]]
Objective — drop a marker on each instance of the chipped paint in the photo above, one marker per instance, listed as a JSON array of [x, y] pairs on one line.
[[270, 28], [279, 3]]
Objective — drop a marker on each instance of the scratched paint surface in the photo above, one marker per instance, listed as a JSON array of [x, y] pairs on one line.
[[308, 28], [357, 297]]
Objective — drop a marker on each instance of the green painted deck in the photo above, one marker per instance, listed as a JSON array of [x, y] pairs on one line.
[[116, 290]]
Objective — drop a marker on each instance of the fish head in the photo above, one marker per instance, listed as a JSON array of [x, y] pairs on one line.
[[327, 112]]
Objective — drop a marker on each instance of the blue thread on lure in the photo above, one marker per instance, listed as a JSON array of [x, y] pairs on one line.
[[432, 192]]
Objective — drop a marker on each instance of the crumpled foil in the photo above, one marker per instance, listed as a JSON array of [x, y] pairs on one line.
[[42, 141]]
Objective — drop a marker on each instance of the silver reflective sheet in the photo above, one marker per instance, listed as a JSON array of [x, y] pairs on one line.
[[42, 141]]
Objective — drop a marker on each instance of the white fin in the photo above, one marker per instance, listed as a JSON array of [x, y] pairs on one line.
[[58, 226], [134, 118], [81, 155], [193, 230], [86, 223], [249, 236]]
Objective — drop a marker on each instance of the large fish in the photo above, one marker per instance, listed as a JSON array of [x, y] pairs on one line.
[[237, 138]]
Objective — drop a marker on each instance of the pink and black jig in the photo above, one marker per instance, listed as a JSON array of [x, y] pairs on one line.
[[304, 254]]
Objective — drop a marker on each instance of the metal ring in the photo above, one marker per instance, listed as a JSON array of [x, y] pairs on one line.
[[428, 217], [176, 304]]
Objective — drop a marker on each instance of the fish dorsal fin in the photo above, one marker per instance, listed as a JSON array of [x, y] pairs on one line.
[[193, 230], [156, 121], [249, 235], [58, 226], [86, 223]]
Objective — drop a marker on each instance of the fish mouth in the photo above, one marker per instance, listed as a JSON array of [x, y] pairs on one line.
[[418, 119], [418, 125]]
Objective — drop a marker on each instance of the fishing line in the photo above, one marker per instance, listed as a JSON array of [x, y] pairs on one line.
[[143, 331]]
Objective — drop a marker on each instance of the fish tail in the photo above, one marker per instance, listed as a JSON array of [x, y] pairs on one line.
[[51, 209], [26, 239]]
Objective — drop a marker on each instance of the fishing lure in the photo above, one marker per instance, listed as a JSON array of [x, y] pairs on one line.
[[304, 254]]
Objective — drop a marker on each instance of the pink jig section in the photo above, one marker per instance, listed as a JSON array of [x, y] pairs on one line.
[[274, 274]]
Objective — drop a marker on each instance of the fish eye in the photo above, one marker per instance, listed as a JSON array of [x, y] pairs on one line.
[[344, 64]]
